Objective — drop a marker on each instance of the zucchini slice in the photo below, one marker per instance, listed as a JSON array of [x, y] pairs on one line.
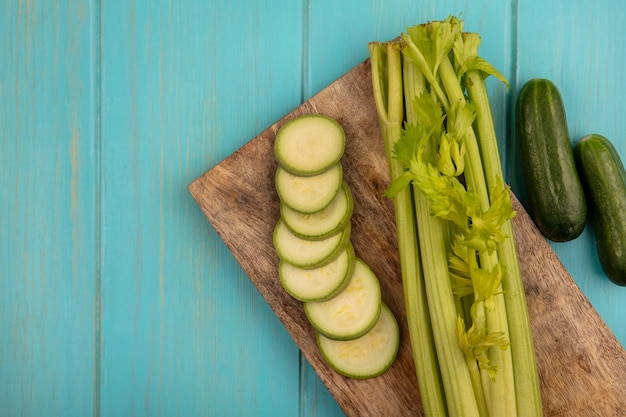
[[318, 284], [309, 144], [309, 194], [352, 312], [324, 223], [368, 356], [305, 253]]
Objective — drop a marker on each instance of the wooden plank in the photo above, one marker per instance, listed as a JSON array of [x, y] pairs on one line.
[[48, 209], [578, 50], [239, 199], [184, 331]]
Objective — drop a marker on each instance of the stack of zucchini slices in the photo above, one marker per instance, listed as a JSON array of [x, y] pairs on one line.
[[356, 332]]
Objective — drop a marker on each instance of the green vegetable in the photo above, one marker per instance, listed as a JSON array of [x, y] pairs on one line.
[[526, 379], [387, 74], [555, 196], [357, 335], [307, 253], [324, 223], [604, 180], [321, 283], [308, 194], [352, 312], [309, 144], [367, 356], [443, 155]]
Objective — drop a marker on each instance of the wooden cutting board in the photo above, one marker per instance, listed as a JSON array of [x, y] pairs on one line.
[[581, 364]]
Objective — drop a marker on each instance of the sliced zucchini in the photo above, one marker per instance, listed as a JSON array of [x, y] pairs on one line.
[[318, 284], [324, 223], [352, 312], [309, 144], [305, 253], [309, 194], [368, 356]]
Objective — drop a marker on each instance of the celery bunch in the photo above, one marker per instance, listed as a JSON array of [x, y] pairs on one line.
[[468, 321]]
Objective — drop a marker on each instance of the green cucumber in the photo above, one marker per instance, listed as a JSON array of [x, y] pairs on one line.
[[604, 180], [308, 194], [324, 223], [367, 356], [309, 144], [352, 312], [555, 195], [305, 253], [321, 283]]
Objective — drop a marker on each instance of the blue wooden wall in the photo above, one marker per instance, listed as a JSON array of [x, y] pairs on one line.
[[117, 298]]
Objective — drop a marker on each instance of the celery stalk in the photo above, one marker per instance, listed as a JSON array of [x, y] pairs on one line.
[[503, 388], [524, 361], [457, 381], [432, 234], [390, 110], [456, 229]]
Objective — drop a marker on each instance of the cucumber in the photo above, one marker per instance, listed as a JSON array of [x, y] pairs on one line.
[[368, 356], [555, 195], [318, 284], [308, 194], [324, 223], [604, 180], [309, 144], [305, 253], [352, 312]]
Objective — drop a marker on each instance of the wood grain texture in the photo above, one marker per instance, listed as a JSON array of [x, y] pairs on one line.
[[573, 43], [582, 365], [239, 199], [183, 330], [116, 298], [48, 200]]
